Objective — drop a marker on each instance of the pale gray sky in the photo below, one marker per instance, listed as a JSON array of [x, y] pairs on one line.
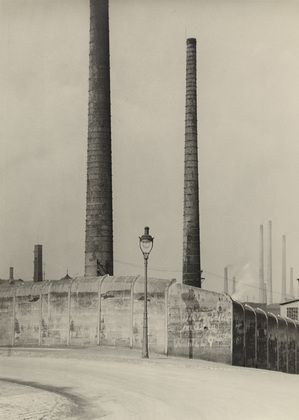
[[248, 108]]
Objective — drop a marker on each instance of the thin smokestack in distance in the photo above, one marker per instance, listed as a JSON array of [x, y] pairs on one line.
[[261, 266], [191, 234], [269, 263], [291, 282], [234, 285], [284, 270], [265, 293], [225, 286], [99, 230]]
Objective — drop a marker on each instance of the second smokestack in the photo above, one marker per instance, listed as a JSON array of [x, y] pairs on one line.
[[99, 225], [191, 236]]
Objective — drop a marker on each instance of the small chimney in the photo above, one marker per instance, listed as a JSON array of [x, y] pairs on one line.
[[38, 263], [11, 278]]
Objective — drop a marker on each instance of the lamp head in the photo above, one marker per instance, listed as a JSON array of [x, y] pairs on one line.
[[146, 243]]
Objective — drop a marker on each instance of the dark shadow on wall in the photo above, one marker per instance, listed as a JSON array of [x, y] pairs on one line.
[[192, 306]]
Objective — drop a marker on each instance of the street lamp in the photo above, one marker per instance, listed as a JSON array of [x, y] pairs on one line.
[[146, 245]]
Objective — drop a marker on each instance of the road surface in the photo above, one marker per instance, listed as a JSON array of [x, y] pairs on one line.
[[104, 383]]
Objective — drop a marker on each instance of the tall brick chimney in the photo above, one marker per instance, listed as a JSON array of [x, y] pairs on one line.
[[99, 230], [38, 263], [191, 238]]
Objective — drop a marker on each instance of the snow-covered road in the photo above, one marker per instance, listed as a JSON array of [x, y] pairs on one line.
[[118, 384]]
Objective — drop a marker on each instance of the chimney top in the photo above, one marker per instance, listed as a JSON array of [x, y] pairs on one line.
[[191, 40]]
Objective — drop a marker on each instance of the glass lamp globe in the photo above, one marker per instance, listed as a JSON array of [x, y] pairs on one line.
[[146, 242]]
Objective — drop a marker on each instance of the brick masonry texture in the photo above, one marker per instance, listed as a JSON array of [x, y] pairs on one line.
[[99, 229], [191, 238]]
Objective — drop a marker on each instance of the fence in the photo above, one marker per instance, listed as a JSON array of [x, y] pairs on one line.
[[264, 340]]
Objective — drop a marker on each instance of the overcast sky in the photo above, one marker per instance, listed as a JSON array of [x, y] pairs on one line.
[[248, 109]]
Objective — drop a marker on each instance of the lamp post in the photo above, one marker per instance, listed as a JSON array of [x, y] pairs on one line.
[[146, 245]]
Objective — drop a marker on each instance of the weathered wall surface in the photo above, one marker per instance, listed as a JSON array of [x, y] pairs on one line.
[[84, 312], [116, 311], [108, 310], [157, 313], [6, 319], [26, 321], [264, 340], [199, 324]]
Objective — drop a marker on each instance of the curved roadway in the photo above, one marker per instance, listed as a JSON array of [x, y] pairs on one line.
[[118, 384]]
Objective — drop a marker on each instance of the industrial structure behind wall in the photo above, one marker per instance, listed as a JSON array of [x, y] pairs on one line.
[[38, 263], [191, 236], [99, 230]]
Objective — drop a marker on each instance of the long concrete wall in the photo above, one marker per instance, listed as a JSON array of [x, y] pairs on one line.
[[183, 320]]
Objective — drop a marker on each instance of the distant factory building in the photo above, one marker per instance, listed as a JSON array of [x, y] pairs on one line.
[[290, 309]]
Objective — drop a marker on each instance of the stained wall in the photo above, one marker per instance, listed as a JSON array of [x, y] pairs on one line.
[[108, 310], [199, 324]]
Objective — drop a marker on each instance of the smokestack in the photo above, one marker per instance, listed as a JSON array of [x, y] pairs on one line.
[[291, 283], [284, 270], [234, 285], [191, 236], [261, 266], [99, 229], [225, 288], [265, 293], [38, 263], [11, 278], [269, 268]]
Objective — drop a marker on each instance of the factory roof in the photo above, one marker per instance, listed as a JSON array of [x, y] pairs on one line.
[[289, 301]]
